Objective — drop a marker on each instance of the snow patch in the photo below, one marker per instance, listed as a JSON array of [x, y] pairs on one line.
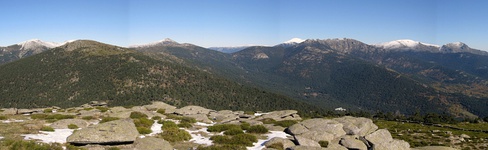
[[260, 144], [204, 124], [294, 40], [405, 43], [198, 138], [34, 43], [10, 121], [156, 129], [58, 136], [1, 137]]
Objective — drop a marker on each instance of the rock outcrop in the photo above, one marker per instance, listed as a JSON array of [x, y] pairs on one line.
[[152, 143], [113, 132], [63, 124], [281, 115], [344, 133]]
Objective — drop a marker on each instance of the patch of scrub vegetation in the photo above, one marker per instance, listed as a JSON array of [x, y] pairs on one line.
[[107, 119], [29, 145], [143, 124], [51, 118], [172, 133], [418, 135], [283, 123]]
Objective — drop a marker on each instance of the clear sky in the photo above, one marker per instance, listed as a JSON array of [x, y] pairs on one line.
[[232, 22]]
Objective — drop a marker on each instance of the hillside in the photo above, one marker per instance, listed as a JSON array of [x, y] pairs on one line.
[[348, 73], [83, 71]]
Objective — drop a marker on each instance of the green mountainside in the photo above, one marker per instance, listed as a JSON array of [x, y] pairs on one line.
[[83, 71]]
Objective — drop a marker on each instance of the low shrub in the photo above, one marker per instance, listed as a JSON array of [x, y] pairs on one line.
[[185, 125], [234, 131], [143, 122], [239, 139], [161, 111], [175, 135], [3, 117], [47, 128], [222, 127], [168, 124], [102, 109], [245, 126], [136, 114], [29, 145], [144, 130], [47, 110], [72, 126], [260, 129], [156, 118], [87, 118], [188, 119]]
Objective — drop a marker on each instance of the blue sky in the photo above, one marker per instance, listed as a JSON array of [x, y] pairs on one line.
[[232, 23]]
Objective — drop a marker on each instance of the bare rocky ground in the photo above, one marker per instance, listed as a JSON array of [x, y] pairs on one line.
[[96, 126]]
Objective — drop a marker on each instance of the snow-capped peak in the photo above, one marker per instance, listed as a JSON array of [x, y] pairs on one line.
[[294, 40], [456, 44], [404, 43], [166, 41], [31, 44]]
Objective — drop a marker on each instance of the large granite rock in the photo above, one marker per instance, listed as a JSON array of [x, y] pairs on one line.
[[317, 129], [382, 140], [113, 132], [285, 142], [357, 126], [302, 141], [63, 124], [161, 105], [9, 111], [152, 143], [200, 117], [192, 110], [119, 112], [281, 115], [352, 143]]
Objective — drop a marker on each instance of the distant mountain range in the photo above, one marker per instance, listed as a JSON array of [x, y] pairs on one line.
[[402, 76]]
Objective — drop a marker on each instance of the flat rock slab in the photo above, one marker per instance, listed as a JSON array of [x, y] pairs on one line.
[[113, 132], [152, 143], [63, 124]]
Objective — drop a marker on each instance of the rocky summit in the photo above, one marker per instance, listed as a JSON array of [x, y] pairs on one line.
[[160, 126]]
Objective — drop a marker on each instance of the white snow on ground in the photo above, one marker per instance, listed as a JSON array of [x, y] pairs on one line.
[[260, 114], [198, 138], [156, 129], [204, 124], [10, 121], [58, 136], [260, 144], [1, 137]]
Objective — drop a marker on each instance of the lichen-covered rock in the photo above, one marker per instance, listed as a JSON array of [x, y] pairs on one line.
[[63, 124], [317, 129], [357, 126], [161, 105], [352, 143], [281, 115], [192, 110], [382, 140], [152, 143], [285, 142], [113, 132], [302, 141], [200, 118], [9, 111]]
